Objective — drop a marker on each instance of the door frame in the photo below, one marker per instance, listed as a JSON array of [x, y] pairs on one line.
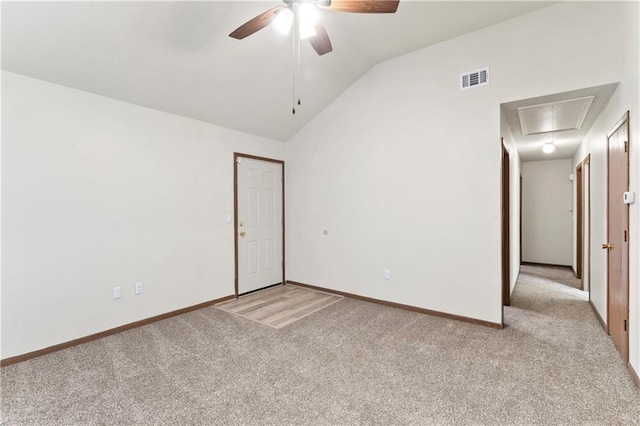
[[506, 224], [520, 223], [579, 222], [237, 155], [586, 225], [624, 121]]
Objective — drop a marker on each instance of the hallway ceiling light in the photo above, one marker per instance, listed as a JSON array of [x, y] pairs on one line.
[[548, 146]]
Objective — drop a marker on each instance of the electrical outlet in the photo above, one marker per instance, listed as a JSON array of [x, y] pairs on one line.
[[117, 292], [387, 274], [138, 288]]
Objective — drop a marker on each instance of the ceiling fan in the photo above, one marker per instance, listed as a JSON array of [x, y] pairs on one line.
[[301, 14]]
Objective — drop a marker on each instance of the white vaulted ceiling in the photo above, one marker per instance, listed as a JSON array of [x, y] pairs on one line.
[[177, 56]]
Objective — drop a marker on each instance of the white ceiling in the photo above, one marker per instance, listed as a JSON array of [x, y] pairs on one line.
[[560, 126], [177, 56]]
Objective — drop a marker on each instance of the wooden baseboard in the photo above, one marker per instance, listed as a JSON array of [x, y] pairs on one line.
[[602, 323], [634, 374], [401, 306], [81, 340], [553, 265]]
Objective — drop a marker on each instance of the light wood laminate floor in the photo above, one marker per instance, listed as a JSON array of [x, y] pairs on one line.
[[279, 306]]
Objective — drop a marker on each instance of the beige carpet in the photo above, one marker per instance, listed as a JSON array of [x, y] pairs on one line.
[[350, 363], [279, 306], [558, 274]]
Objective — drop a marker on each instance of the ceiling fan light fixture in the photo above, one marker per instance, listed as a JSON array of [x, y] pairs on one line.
[[283, 21], [306, 30], [309, 13], [309, 16]]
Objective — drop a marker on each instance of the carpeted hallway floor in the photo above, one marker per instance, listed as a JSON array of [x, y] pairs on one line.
[[350, 363]]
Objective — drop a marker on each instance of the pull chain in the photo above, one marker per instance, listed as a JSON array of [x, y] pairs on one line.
[[298, 83], [295, 65], [294, 58]]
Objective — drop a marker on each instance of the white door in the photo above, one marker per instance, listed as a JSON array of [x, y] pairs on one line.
[[259, 223]]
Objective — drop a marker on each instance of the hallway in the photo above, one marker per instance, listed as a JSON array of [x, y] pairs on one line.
[[574, 364]]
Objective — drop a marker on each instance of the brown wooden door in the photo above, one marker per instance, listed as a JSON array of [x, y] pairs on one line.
[[618, 236]]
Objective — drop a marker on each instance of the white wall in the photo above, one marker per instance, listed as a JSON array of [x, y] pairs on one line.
[[625, 98], [547, 229], [515, 165], [403, 169], [99, 193]]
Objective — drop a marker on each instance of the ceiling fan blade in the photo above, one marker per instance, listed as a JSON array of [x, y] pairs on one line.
[[320, 41], [256, 24], [360, 6]]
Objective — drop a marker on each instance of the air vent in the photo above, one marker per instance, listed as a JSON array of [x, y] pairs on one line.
[[474, 79]]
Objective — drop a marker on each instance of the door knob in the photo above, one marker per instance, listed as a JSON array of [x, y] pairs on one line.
[[607, 246], [242, 234]]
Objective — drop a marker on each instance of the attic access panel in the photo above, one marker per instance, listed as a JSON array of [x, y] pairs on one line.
[[554, 116]]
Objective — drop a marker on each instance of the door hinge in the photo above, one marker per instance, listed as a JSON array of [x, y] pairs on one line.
[[625, 236], [626, 146], [239, 160], [625, 325]]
